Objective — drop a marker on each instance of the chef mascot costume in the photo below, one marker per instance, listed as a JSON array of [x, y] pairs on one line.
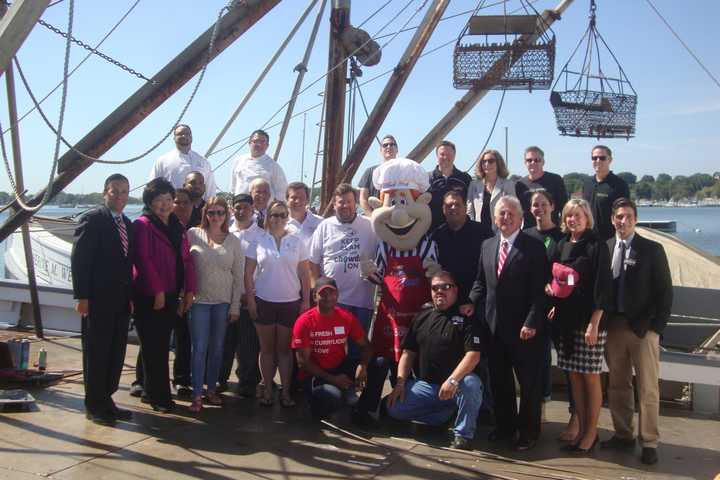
[[406, 256]]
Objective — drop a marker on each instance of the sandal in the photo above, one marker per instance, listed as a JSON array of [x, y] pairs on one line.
[[213, 398], [286, 402], [267, 398], [196, 405]]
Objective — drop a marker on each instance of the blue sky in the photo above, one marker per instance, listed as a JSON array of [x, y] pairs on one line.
[[678, 105]]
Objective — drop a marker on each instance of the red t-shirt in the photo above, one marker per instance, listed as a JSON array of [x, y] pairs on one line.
[[326, 335]]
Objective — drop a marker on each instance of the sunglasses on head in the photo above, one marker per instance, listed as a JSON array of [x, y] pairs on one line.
[[212, 213], [442, 287], [278, 215], [600, 158]]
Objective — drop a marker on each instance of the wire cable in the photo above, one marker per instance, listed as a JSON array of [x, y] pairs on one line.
[[692, 54], [492, 129], [75, 68]]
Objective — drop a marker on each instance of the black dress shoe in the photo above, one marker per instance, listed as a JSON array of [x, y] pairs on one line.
[[524, 444], [617, 443], [363, 419], [121, 414], [136, 390], [183, 391], [163, 408], [460, 443], [101, 418], [649, 456]]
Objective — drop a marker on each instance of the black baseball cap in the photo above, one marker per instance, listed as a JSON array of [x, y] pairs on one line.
[[242, 197]]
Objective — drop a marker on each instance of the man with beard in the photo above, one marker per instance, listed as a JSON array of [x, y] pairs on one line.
[[176, 164], [195, 184]]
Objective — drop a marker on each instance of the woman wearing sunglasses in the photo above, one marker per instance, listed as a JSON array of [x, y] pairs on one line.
[[490, 184], [277, 282], [219, 266]]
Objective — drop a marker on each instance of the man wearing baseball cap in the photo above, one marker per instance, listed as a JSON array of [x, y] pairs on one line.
[[329, 377]]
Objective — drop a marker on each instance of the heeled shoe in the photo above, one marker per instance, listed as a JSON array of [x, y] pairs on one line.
[[196, 405], [586, 451]]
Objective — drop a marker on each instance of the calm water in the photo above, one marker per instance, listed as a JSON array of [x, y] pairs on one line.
[[699, 227]]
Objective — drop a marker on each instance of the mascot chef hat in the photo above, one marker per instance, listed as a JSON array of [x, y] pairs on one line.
[[401, 173]]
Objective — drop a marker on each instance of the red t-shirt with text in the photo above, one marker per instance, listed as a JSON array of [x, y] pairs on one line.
[[326, 335]]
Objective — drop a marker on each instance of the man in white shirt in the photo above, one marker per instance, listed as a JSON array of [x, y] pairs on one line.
[[176, 164], [241, 339], [336, 250], [257, 164], [301, 220], [260, 193]]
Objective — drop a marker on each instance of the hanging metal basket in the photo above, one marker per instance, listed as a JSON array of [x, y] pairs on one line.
[[524, 60], [589, 102]]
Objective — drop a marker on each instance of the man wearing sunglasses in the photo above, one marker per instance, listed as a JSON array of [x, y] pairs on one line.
[[442, 348], [388, 151], [602, 189], [538, 179]]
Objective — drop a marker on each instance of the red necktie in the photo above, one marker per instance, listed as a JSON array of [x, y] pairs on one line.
[[502, 257], [122, 230]]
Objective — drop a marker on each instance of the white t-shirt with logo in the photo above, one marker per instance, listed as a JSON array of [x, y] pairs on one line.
[[276, 274], [338, 248]]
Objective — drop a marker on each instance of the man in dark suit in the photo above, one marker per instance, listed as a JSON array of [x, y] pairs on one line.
[[509, 302], [102, 280], [643, 300]]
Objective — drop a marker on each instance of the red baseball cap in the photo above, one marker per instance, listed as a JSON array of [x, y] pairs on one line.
[[564, 280]]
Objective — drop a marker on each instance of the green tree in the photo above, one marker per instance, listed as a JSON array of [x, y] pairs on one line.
[[644, 190], [630, 178], [574, 182], [664, 177], [648, 179]]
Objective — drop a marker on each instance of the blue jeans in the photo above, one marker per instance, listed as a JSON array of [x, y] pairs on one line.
[[207, 333], [423, 405], [364, 315]]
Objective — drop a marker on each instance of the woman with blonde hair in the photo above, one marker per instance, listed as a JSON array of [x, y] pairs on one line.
[[277, 282], [581, 289], [490, 184], [219, 267]]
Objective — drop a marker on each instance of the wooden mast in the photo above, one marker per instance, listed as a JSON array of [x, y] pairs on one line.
[[16, 26], [145, 100], [334, 101], [20, 187], [392, 90]]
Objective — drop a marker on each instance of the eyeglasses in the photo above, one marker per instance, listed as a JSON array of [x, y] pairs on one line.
[[388, 145], [213, 213], [599, 158], [533, 160], [278, 215], [442, 287], [487, 161]]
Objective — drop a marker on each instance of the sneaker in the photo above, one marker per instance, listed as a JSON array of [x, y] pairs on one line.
[[649, 456], [136, 390], [460, 443], [617, 443]]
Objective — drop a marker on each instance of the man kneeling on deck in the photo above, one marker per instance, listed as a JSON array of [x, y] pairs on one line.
[[442, 348], [330, 379]]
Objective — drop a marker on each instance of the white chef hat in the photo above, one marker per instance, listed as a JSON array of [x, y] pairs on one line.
[[400, 173]]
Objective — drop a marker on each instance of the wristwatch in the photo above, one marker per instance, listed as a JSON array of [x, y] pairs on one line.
[[453, 382]]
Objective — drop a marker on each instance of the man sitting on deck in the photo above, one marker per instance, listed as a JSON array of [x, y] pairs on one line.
[[329, 377]]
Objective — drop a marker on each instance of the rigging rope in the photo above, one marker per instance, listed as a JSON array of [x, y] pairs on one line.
[[61, 120], [692, 54], [492, 130], [211, 46], [76, 67]]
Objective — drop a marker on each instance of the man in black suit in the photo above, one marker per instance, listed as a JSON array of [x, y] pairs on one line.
[[102, 280], [509, 301], [643, 300]]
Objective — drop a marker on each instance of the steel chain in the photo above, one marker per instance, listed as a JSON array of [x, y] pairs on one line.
[[96, 52]]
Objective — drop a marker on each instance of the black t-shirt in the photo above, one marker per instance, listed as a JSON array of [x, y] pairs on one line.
[[550, 182], [440, 340], [366, 182], [459, 252], [196, 215], [600, 196], [439, 186], [549, 238]]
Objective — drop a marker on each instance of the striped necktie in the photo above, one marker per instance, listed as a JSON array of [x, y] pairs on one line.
[[502, 257], [122, 230]]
